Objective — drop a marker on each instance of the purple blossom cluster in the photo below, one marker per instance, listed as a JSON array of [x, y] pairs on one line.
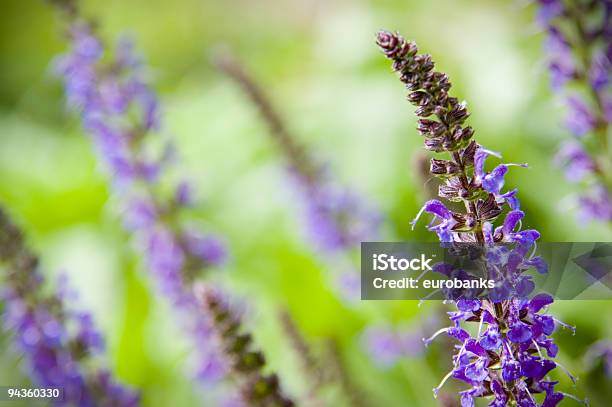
[[59, 344], [579, 52], [121, 113], [504, 361]]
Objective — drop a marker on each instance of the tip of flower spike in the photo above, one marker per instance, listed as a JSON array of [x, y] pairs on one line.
[[385, 39]]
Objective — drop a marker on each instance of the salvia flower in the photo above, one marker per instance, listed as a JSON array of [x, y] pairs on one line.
[[508, 359], [578, 48], [121, 113], [337, 219], [257, 388], [59, 344]]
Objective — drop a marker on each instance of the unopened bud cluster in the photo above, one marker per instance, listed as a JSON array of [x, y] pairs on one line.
[[258, 389]]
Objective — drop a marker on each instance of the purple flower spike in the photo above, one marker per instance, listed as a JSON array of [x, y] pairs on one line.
[[512, 328], [582, 59], [121, 113], [336, 219], [59, 345]]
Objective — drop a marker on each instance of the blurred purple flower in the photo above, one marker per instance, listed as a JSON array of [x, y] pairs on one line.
[[595, 205], [58, 344], [579, 49], [580, 119], [549, 9], [577, 163], [336, 219], [561, 61], [120, 112], [205, 247], [599, 74]]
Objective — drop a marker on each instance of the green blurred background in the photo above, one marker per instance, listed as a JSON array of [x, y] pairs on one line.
[[318, 61]]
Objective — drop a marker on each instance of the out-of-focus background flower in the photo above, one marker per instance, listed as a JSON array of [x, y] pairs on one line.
[[318, 61]]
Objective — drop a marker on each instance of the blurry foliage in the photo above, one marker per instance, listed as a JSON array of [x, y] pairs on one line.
[[318, 61]]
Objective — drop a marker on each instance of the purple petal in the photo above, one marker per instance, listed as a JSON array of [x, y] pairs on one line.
[[536, 368], [519, 333], [436, 208], [552, 400], [477, 371], [494, 181], [468, 305], [458, 333], [524, 286], [511, 220], [479, 161], [491, 339], [467, 400], [474, 347], [539, 263], [511, 199], [546, 323], [540, 301], [207, 248], [511, 369]]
